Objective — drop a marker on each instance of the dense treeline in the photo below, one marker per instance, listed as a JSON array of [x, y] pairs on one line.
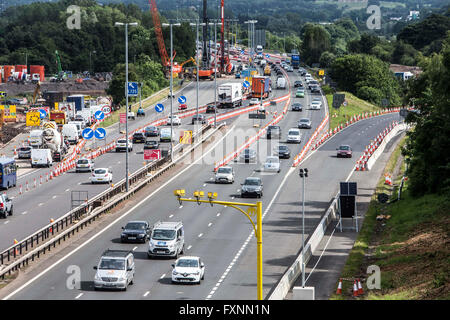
[[428, 144]]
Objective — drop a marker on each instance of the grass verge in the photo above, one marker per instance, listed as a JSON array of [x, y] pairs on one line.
[[355, 106], [412, 248]]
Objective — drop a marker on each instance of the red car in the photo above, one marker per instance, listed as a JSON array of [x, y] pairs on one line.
[[344, 151], [182, 106]]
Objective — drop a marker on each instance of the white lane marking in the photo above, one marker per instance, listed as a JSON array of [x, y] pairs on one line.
[[134, 248], [163, 276], [79, 183], [189, 247], [210, 224], [232, 198], [25, 212], [79, 296], [53, 197], [200, 235], [146, 294], [12, 198], [114, 222], [41, 204], [6, 222], [181, 207], [171, 216], [67, 190], [204, 184], [218, 214]]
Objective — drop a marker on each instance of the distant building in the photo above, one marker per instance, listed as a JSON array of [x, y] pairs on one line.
[[405, 72], [413, 15]]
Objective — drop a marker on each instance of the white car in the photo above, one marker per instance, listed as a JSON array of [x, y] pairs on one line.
[[101, 175], [253, 101], [84, 164], [315, 105], [175, 120], [272, 164], [188, 269], [294, 135], [121, 145], [224, 174]]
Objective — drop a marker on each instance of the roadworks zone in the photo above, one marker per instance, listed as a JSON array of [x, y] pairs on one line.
[[408, 239]]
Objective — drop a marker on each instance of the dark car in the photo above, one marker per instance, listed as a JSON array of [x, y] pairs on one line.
[[297, 107], [151, 144], [315, 89], [303, 73], [59, 155], [24, 152], [138, 137], [248, 155], [211, 109], [298, 83], [151, 131], [199, 118], [344, 151], [273, 132], [279, 72], [252, 186], [282, 152], [135, 231]]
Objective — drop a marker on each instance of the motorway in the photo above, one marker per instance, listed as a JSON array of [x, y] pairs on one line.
[[51, 200], [220, 235]]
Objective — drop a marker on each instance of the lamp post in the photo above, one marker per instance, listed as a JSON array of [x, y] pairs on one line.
[[127, 184], [252, 210], [197, 58], [90, 59], [171, 85], [303, 174], [251, 30]]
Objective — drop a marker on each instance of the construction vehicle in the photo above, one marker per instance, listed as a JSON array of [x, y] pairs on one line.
[[205, 71], [61, 75]]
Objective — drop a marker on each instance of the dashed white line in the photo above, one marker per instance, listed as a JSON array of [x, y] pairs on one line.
[[210, 224], [204, 184], [171, 216], [25, 212], [181, 207], [53, 197], [189, 247], [200, 235], [163, 276], [146, 294], [67, 190], [79, 296], [41, 204], [134, 248], [6, 222]]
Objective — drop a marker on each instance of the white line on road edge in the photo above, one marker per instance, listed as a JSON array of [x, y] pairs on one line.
[[115, 221]]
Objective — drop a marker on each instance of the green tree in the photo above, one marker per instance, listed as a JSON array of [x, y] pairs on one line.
[[316, 40]]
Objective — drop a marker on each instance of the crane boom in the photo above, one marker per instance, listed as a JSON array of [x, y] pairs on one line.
[[159, 36]]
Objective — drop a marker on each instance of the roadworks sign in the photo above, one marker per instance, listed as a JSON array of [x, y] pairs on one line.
[[186, 137], [33, 119]]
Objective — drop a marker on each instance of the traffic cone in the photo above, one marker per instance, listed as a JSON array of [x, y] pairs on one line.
[[355, 289], [51, 228], [20, 189], [360, 288], [17, 250], [339, 289]]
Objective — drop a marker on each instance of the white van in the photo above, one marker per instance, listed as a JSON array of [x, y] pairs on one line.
[[36, 138], [79, 125], [41, 158], [281, 83], [115, 270], [165, 135], [70, 132], [167, 239]]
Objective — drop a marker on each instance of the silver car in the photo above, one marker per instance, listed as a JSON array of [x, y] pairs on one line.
[[224, 174], [304, 123], [24, 153]]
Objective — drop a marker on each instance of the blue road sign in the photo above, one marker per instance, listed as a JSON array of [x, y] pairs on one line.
[[246, 84], [159, 107], [133, 89], [43, 113], [182, 99], [87, 133], [100, 133], [242, 51], [99, 115], [267, 56]]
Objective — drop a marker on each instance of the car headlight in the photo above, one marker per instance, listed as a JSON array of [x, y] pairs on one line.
[[174, 272], [196, 273], [96, 277]]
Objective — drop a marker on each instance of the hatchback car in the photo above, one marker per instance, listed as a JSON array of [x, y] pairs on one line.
[[101, 175], [121, 145], [297, 107], [174, 119], [6, 206], [188, 269], [294, 136], [151, 144], [138, 137], [248, 155], [182, 106], [252, 186], [282, 152], [344, 151], [135, 231], [24, 153], [298, 83], [84, 165], [315, 105], [151, 131], [304, 123], [272, 164], [300, 93], [198, 118], [253, 101], [211, 109], [224, 174], [315, 89]]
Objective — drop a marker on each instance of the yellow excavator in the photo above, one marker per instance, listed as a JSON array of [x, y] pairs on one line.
[[178, 68]]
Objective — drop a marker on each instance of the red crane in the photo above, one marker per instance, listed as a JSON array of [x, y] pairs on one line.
[[159, 36]]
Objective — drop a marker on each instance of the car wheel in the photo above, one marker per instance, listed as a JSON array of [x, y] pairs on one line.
[[11, 211], [182, 250], [203, 277], [131, 282]]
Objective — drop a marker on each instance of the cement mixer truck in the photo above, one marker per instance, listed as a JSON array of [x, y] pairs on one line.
[[53, 141]]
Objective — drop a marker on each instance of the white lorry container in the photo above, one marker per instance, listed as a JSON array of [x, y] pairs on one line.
[[281, 83], [70, 132], [36, 138], [41, 157], [86, 114], [230, 94]]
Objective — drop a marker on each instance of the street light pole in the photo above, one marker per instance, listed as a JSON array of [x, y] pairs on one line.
[[303, 174], [215, 74], [197, 60], [127, 183]]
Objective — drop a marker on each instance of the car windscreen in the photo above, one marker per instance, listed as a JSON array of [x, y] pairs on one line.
[[150, 128], [282, 148], [25, 149], [187, 263], [121, 141], [252, 182], [83, 161], [294, 133], [112, 264], [100, 171], [161, 234], [272, 160], [135, 226], [304, 120], [344, 148], [224, 170]]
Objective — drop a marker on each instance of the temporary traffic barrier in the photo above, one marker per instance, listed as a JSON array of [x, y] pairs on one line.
[[339, 289]]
